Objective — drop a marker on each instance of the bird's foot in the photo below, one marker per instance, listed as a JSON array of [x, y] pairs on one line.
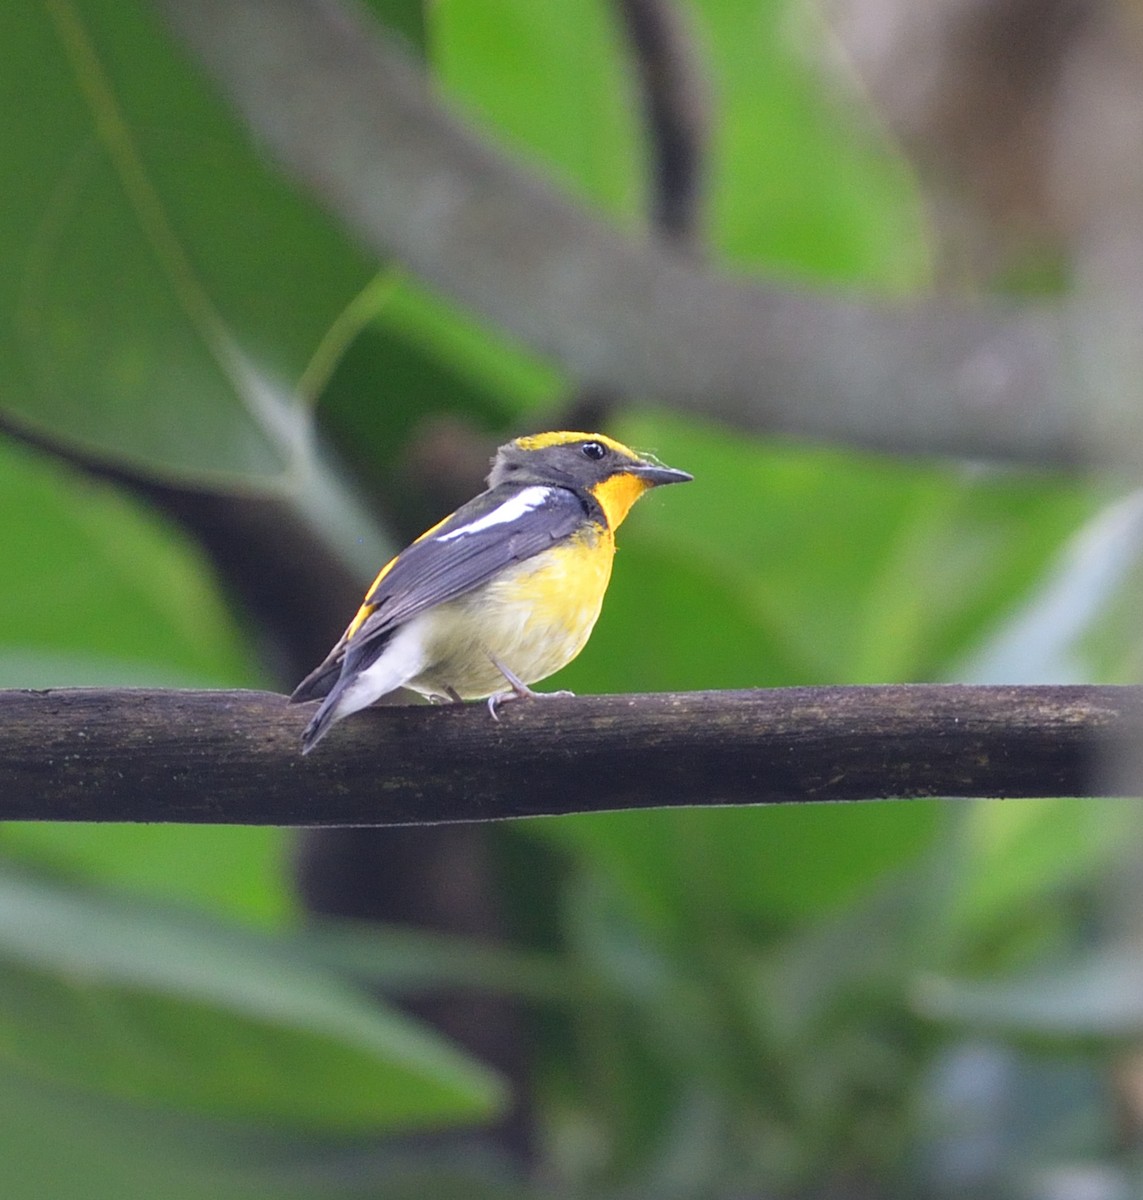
[[519, 691]]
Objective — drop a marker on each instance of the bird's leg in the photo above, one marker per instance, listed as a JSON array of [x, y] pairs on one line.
[[454, 695], [520, 690]]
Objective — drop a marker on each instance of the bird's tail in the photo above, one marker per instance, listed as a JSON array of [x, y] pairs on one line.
[[322, 721], [368, 673]]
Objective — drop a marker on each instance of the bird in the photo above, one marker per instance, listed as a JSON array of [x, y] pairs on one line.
[[501, 593]]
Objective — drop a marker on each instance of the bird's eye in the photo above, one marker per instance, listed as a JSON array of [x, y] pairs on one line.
[[594, 450]]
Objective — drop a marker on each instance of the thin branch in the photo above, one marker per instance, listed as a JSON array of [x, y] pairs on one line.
[[233, 757], [675, 103], [355, 121], [675, 106]]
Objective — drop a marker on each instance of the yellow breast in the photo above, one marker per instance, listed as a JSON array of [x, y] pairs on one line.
[[534, 618]]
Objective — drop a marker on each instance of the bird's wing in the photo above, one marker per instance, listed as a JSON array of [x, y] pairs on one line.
[[499, 527]]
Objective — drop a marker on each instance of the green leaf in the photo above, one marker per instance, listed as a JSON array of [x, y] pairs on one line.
[[55, 1143], [143, 310], [465, 346], [233, 871], [551, 79], [800, 180], [142, 1003], [419, 960], [424, 358], [1015, 859], [98, 590], [405, 18], [1048, 638], [758, 865]]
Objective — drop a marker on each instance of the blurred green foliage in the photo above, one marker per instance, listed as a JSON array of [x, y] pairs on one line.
[[733, 1002]]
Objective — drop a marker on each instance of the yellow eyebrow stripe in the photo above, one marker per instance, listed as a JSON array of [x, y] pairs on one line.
[[541, 441]]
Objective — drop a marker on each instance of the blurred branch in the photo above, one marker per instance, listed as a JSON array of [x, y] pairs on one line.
[[357, 123], [233, 757], [674, 98], [675, 104]]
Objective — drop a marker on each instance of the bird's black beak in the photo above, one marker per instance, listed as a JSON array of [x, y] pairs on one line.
[[656, 475]]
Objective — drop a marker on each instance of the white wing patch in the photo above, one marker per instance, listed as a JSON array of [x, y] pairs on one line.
[[503, 514]]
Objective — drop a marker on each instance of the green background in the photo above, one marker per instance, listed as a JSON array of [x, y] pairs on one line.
[[730, 1002]]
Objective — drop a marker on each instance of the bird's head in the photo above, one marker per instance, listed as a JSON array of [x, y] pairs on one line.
[[590, 462]]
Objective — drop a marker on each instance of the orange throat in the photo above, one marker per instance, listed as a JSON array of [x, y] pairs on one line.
[[616, 496]]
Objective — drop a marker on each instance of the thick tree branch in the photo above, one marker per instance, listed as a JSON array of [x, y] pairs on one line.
[[350, 117], [232, 757]]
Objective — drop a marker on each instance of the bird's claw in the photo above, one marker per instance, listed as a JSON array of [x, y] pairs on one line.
[[522, 693]]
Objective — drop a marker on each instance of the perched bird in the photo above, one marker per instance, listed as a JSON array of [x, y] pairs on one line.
[[502, 593]]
